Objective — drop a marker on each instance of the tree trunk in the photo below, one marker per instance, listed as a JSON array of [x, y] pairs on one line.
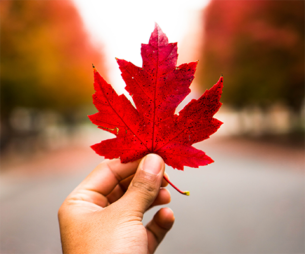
[[6, 132]]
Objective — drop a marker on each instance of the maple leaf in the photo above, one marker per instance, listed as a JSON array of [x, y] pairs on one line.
[[152, 126]]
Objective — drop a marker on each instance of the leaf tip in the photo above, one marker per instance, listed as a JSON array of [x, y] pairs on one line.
[[221, 78], [93, 68]]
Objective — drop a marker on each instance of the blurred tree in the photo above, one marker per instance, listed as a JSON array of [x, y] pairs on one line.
[[258, 45], [46, 58]]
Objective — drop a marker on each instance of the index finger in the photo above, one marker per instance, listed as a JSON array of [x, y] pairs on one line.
[[107, 175]]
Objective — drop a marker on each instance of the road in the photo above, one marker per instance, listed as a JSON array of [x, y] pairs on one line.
[[251, 200]]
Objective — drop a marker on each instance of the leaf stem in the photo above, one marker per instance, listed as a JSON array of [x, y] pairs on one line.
[[187, 193]]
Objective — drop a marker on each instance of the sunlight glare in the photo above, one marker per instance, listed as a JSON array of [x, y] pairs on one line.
[[121, 26]]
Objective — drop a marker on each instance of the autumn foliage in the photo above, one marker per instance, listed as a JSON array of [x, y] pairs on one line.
[[46, 58], [258, 45]]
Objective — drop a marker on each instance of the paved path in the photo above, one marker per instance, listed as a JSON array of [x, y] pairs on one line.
[[251, 200]]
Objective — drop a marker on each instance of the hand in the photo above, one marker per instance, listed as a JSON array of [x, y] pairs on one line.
[[104, 213]]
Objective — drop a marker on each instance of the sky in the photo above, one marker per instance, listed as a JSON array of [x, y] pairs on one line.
[[121, 26]]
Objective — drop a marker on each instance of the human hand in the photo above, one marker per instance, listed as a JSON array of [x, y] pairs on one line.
[[104, 213]]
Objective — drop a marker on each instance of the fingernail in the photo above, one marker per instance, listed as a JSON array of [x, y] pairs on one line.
[[152, 164]]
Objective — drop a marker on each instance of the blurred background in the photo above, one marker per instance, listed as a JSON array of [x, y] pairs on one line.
[[251, 200]]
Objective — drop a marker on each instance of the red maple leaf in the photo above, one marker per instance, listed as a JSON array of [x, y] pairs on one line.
[[152, 126]]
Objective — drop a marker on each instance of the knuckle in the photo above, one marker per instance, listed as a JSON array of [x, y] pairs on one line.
[[60, 212], [64, 212], [145, 185]]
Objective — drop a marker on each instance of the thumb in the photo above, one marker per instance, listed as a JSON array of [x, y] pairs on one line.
[[146, 183]]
